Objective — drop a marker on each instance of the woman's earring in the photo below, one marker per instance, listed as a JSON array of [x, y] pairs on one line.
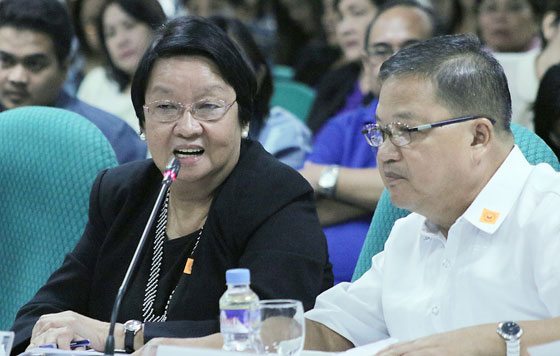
[[142, 136], [245, 131]]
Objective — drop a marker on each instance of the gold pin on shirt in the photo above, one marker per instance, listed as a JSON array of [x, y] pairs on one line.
[[489, 217]]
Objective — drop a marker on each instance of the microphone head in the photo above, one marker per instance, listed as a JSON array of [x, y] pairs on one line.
[[171, 170]]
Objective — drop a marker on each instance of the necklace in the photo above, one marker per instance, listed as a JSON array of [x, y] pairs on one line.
[[150, 292]]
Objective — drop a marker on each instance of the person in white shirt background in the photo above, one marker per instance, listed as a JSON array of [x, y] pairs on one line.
[[480, 251], [525, 70]]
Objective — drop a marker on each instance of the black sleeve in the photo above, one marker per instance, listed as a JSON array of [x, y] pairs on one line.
[[69, 286], [183, 329], [287, 254]]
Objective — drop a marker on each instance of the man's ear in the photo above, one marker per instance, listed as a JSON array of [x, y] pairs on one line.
[[483, 133], [548, 27]]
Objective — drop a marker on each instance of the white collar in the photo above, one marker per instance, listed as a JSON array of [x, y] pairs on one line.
[[495, 201]]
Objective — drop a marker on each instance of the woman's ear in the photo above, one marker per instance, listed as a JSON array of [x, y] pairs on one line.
[[548, 25]]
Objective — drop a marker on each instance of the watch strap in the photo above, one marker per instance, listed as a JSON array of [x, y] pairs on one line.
[[327, 181], [128, 341], [131, 328], [513, 347]]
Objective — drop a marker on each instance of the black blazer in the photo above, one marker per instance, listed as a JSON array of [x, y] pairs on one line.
[[262, 217]]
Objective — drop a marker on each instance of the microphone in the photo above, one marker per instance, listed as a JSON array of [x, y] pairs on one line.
[[169, 176]]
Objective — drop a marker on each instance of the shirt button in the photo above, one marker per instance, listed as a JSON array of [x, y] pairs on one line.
[[426, 237], [435, 310], [445, 263]]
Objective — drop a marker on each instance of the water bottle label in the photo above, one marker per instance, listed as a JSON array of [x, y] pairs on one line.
[[237, 320]]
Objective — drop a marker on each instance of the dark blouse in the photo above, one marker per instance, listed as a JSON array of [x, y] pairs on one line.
[[262, 218], [175, 254]]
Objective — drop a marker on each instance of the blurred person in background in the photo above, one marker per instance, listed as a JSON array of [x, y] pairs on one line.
[[85, 15], [547, 109], [342, 168], [344, 88], [281, 133], [508, 25], [125, 29], [298, 25], [232, 205], [257, 15], [525, 70], [456, 16], [35, 44], [317, 58]]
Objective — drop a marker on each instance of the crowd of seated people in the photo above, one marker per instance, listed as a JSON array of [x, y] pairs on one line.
[[108, 61]]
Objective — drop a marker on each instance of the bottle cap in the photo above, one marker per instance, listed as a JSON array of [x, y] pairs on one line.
[[238, 276]]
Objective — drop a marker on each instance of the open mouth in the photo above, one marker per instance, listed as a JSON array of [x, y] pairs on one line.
[[190, 152]]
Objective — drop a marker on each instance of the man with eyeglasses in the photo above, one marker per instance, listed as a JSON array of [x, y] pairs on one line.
[[474, 270], [341, 167], [35, 42]]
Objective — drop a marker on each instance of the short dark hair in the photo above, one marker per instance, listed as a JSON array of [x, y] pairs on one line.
[[434, 21], [239, 33], [547, 105], [45, 16], [148, 12], [195, 36], [467, 78]]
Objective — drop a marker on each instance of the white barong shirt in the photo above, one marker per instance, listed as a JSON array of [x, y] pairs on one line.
[[501, 261]]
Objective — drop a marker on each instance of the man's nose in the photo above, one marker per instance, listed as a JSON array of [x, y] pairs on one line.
[[18, 74], [388, 151]]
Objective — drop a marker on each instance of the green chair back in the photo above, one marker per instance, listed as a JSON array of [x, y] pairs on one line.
[[282, 72], [295, 97], [48, 160], [533, 147]]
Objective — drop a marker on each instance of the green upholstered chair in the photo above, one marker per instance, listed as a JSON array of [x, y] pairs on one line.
[[282, 72], [293, 96], [48, 160], [532, 146]]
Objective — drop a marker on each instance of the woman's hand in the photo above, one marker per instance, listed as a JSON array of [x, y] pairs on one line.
[[62, 328]]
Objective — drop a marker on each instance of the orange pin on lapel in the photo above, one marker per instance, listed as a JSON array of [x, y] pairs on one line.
[[188, 266], [489, 216]]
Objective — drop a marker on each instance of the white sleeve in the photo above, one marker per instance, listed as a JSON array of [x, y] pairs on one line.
[[354, 310]]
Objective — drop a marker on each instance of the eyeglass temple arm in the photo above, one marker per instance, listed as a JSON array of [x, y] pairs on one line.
[[449, 122]]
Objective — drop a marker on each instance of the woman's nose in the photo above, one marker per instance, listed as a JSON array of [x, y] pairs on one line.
[[187, 125]]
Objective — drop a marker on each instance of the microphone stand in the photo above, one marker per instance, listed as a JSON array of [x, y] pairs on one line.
[[169, 177]]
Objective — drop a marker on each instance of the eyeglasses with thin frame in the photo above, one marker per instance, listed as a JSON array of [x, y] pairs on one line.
[[166, 111], [400, 133]]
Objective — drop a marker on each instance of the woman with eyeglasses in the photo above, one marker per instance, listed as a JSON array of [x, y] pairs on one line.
[[232, 205]]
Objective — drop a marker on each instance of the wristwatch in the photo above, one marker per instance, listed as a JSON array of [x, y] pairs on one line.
[[327, 181], [131, 328], [511, 332]]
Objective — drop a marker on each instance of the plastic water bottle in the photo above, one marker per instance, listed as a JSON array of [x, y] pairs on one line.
[[239, 313]]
